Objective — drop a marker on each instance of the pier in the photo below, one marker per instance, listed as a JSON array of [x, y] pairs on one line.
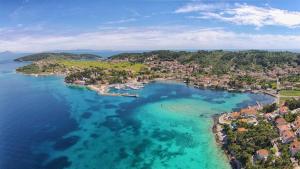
[[120, 94]]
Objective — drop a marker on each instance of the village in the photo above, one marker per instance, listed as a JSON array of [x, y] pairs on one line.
[[235, 80], [284, 144]]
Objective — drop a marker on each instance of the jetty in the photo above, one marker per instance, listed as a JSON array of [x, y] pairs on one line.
[[120, 94]]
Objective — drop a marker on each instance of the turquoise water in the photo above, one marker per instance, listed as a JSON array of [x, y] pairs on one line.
[[47, 125]]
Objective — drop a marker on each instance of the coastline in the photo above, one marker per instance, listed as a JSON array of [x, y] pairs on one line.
[[219, 139], [103, 89]]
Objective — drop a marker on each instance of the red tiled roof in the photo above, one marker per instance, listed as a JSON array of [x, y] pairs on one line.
[[262, 152], [295, 145], [280, 121], [242, 129], [282, 128], [297, 122], [249, 111], [283, 109], [235, 114], [287, 134]]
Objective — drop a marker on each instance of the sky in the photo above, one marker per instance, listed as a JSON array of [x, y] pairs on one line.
[[46, 25]]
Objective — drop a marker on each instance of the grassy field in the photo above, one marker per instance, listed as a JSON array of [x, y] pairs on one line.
[[283, 99], [135, 67], [290, 93]]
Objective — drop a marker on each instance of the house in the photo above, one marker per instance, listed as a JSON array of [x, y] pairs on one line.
[[262, 154], [283, 110], [269, 116], [297, 132], [249, 112], [287, 136], [79, 82], [252, 121], [282, 128], [234, 115], [294, 147], [242, 129], [296, 123], [295, 111], [280, 121]]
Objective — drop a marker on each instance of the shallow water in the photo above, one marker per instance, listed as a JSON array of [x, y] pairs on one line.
[[47, 125]]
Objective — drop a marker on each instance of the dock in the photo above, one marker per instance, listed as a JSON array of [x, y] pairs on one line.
[[120, 94]]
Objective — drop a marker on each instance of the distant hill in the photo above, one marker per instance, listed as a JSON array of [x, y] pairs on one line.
[[103, 53], [219, 60], [62, 55]]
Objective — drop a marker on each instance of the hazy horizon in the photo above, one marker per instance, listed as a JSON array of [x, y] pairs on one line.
[[35, 26]]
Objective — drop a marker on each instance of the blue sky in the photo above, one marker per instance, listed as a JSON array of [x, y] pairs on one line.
[[44, 25]]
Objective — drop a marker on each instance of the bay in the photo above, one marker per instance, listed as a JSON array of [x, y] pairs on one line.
[[46, 125]]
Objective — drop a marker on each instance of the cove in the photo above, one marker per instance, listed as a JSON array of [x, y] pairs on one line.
[[46, 125]]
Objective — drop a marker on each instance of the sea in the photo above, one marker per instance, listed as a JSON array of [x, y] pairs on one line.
[[45, 124]]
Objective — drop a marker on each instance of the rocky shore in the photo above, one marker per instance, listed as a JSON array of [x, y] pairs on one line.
[[221, 142]]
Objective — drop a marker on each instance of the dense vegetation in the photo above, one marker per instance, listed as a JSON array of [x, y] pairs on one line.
[[29, 69], [291, 78], [244, 144], [134, 67], [269, 108], [86, 70], [41, 56], [221, 61], [293, 103]]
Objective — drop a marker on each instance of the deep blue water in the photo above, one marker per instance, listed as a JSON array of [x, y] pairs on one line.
[[47, 125]]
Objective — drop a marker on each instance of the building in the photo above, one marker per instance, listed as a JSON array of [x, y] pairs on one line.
[[283, 110], [294, 147], [252, 121], [262, 154], [296, 123], [282, 128], [242, 129], [280, 121], [234, 115], [295, 111], [269, 116], [297, 132], [79, 82], [249, 112], [287, 136]]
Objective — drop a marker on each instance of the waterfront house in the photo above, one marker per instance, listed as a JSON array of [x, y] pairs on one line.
[[287, 136], [249, 112], [234, 115], [262, 154], [79, 82], [294, 147]]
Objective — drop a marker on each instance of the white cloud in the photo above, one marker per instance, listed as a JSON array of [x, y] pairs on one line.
[[151, 38], [122, 21], [197, 7], [245, 14]]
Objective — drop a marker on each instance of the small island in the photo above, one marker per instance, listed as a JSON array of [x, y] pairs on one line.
[[262, 136]]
